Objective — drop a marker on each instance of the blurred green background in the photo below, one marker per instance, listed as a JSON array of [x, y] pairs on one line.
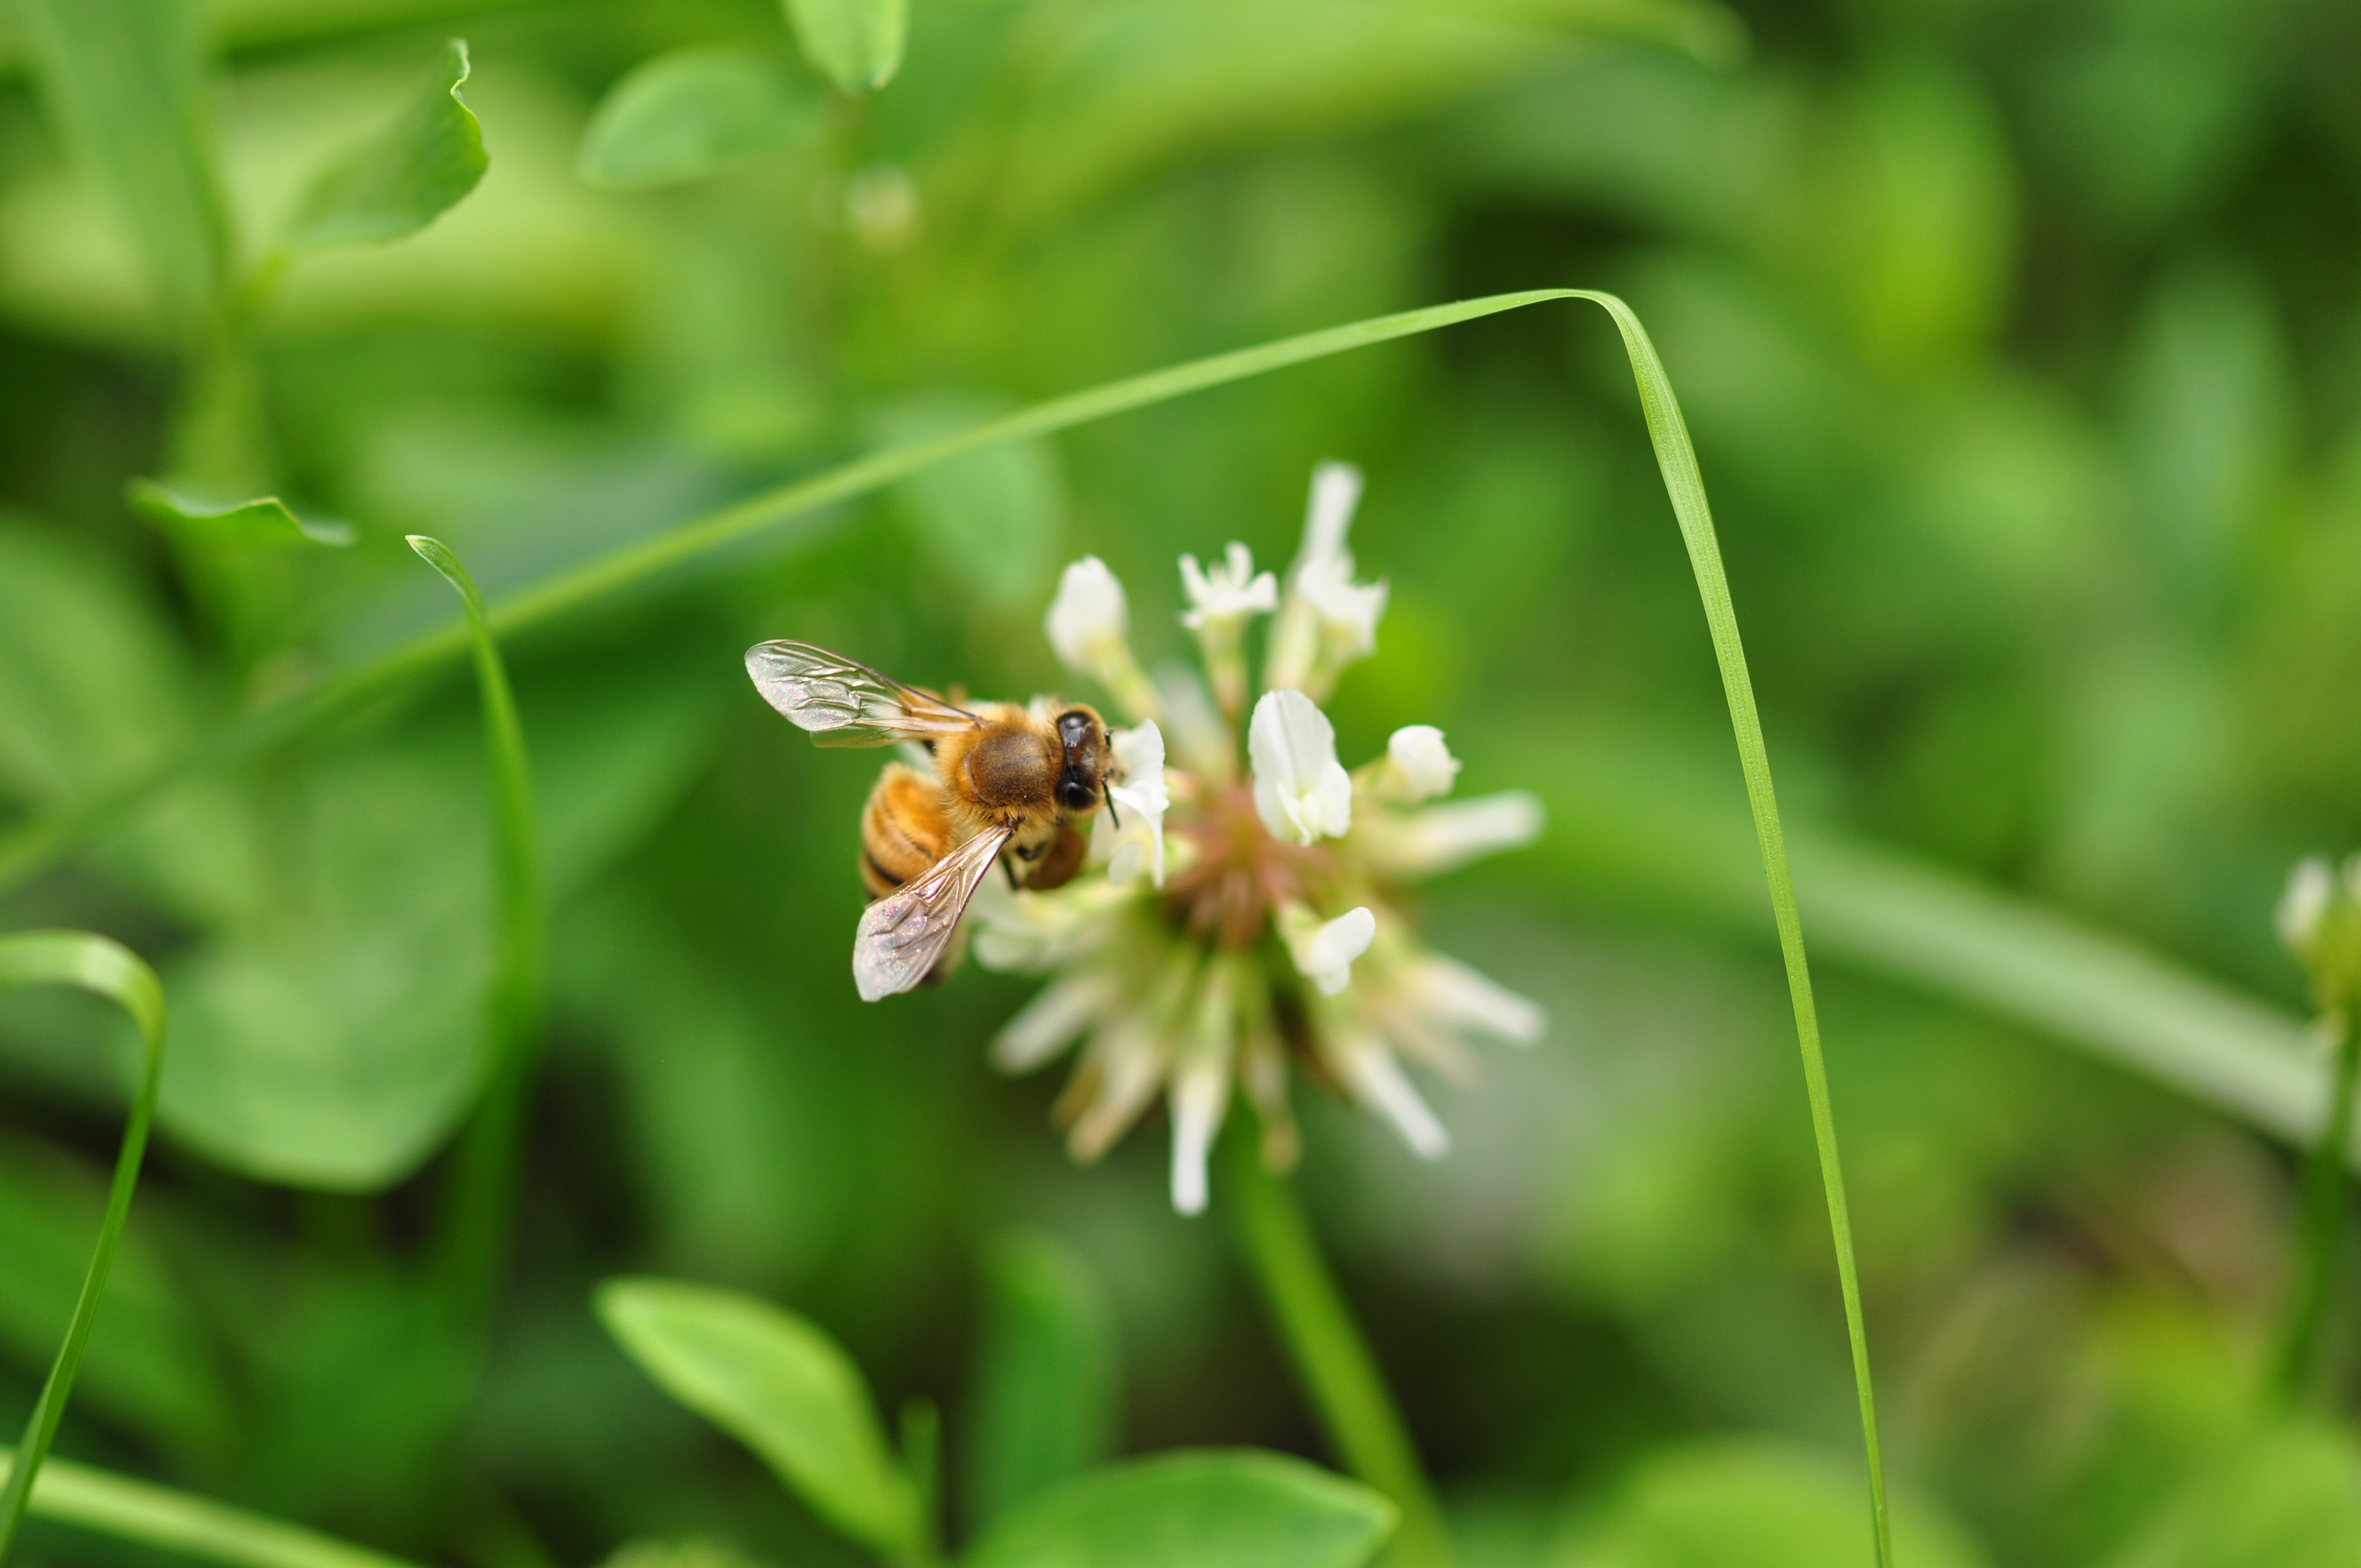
[[2022, 346]]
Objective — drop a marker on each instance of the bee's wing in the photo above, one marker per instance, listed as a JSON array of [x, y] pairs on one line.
[[903, 933], [845, 704]]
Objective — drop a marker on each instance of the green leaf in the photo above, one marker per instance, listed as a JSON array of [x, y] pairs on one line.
[[1742, 1503], [1208, 1508], [124, 79], [265, 519], [2287, 1498], [195, 1526], [857, 44], [413, 172], [778, 1385], [693, 113], [1048, 1383], [109, 969]]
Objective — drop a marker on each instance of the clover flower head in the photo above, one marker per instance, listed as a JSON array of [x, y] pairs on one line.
[[1238, 919]]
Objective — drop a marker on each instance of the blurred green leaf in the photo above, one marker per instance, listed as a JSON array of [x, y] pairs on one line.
[[266, 520], [1206, 1508], [2291, 1499], [1048, 1381], [413, 172], [857, 44], [780, 1386], [1740, 1503], [693, 113], [994, 520], [126, 81]]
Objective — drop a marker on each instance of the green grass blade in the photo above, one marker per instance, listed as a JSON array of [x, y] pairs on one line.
[[114, 971], [1677, 460], [193, 1527], [475, 1220]]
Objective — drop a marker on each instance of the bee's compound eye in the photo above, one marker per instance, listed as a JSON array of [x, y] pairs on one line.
[[1076, 796], [1074, 729]]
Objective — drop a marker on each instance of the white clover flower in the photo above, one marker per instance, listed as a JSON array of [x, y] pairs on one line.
[[1233, 590], [1323, 953], [1164, 980], [1328, 620], [1135, 847], [1302, 792], [1089, 625], [1417, 766]]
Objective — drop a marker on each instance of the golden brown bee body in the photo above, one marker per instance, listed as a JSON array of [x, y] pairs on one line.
[[1019, 770]]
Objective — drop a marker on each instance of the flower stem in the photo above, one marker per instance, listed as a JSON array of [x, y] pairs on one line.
[[2324, 1220], [1334, 1365]]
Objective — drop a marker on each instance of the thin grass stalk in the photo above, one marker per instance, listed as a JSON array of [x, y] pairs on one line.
[[2296, 1368], [109, 969], [476, 1219], [195, 1527], [1341, 1377]]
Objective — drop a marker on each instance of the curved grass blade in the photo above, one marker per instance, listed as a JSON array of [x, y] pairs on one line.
[[195, 1527], [476, 1222], [109, 969]]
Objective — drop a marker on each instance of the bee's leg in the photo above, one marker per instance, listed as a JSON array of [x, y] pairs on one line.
[[1009, 867]]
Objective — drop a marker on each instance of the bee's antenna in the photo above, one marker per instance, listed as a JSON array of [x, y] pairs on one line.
[[1113, 814]]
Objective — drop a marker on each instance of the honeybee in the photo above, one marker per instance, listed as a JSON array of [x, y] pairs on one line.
[[1002, 778]]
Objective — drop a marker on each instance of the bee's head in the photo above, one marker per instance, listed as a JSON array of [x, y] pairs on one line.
[[1089, 755]]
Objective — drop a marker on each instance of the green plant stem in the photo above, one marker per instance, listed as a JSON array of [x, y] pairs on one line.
[[2324, 1220], [476, 1220], [1335, 1366], [97, 965], [195, 1527]]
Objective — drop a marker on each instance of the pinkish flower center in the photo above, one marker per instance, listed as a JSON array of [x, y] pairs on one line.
[[1239, 872]]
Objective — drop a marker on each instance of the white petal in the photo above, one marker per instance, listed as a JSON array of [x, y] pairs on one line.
[[2305, 904], [1300, 790], [1372, 1073], [1199, 1097], [1051, 1021], [1450, 993], [1423, 766], [1444, 837], [1326, 959], [1090, 610], [1335, 491]]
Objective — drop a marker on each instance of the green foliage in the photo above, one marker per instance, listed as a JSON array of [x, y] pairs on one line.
[[266, 520], [692, 114], [781, 1386], [2289, 1497], [411, 173], [857, 44], [1749, 1504], [193, 1527], [124, 81], [1213, 1508], [1048, 1378]]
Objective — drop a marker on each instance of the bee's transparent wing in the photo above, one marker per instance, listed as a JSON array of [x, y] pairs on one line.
[[845, 704], [903, 933]]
